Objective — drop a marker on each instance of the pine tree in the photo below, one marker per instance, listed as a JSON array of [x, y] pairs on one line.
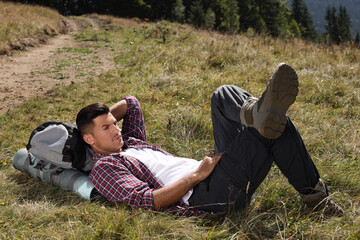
[[294, 29], [332, 26], [357, 40], [260, 25], [210, 18], [343, 21], [301, 15], [179, 11], [275, 15], [283, 19], [309, 31], [197, 14], [230, 21], [297, 10], [338, 25]]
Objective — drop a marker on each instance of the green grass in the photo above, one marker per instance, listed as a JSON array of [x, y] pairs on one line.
[[74, 50], [90, 35], [173, 70]]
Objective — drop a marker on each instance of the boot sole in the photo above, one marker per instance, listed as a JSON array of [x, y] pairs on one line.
[[281, 94]]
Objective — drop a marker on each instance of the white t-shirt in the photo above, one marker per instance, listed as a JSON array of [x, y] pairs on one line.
[[166, 169]]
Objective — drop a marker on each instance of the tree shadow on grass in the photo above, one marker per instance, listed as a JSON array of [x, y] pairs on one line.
[[240, 226]]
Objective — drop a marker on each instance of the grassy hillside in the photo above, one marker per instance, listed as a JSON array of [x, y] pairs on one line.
[[24, 25], [173, 70]]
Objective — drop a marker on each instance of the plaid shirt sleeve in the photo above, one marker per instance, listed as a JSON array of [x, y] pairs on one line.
[[127, 180], [121, 183], [133, 123]]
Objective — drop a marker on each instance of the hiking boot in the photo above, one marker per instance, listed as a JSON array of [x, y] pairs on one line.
[[319, 200], [268, 113]]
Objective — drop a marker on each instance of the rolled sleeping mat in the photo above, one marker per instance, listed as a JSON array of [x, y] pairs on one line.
[[69, 179]]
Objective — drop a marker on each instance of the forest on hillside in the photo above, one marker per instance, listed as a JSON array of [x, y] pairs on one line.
[[273, 17], [317, 10]]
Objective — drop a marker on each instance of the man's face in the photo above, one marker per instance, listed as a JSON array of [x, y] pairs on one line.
[[106, 135]]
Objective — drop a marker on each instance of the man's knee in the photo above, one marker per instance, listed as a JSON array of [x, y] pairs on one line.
[[222, 89], [228, 92], [220, 92]]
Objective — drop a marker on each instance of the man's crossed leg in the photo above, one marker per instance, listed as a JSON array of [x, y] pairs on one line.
[[252, 134]]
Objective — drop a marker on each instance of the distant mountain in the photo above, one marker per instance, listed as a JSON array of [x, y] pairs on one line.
[[317, 9]]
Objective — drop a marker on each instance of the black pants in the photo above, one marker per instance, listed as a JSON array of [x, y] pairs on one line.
[[248, 157]]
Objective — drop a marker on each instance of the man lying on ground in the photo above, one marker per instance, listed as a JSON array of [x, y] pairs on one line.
[[250, 134]]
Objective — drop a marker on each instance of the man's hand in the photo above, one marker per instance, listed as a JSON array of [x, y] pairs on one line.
[[207, 166], [170, 194]]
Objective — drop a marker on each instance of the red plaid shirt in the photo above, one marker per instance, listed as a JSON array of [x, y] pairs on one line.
[[126, 179]]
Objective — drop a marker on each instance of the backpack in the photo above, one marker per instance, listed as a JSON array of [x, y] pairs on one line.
[[59, 146]]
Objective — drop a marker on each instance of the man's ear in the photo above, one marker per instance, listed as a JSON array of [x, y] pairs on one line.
[[88, 138]]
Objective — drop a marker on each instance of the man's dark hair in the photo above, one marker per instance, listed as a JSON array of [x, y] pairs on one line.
[[86, 115]]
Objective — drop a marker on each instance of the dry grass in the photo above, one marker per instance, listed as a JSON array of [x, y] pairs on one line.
[[25, 25]]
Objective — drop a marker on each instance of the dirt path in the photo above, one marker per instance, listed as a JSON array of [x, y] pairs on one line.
[[61, 61]]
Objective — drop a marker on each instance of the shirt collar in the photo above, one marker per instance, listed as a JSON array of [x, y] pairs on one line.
[[98, 156]]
